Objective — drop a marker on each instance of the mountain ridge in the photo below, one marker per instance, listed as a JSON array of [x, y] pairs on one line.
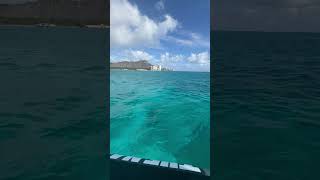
[[141, 64]]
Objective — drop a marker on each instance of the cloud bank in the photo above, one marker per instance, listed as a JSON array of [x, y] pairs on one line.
[[130, 28]]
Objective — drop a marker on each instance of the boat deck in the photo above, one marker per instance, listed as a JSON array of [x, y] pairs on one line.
[[128, 167]]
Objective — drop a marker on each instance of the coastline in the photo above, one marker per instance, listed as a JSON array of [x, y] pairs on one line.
[[56, 25], [45, 22], [117, 69]]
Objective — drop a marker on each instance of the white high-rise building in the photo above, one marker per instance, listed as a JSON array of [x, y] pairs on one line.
[[156, 68]]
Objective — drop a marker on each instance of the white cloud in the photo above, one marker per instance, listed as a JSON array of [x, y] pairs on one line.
[[113, 58], [160, 5], [169, 58], [192, 39], [199, 40], [131, 55], [138, 55], [202, 58], [185, 42], [130, 28], [193, 62]]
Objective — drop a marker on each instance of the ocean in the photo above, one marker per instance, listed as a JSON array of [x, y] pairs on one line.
[[161, 115], [53, 116], [266, 105], [53, 99]]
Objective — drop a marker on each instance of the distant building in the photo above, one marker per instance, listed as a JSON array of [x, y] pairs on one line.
[[156, 68]]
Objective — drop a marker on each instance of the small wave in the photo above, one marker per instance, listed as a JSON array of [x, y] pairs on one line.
[[22, 116]]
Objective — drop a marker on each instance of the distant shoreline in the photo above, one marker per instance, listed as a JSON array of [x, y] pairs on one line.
[[141, 65], [43, 22], [54, 25], [135, 69], [158, 71]]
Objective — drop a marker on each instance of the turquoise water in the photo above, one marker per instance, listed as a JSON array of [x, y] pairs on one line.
[[161, 115]]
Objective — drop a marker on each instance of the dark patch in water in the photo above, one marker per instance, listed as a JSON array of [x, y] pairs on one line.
[[33, 104], [94, 69], [5, 58], [11, 66], [310, 123], [76, 130], [11, 125], [31, 117], [45, 65], [6, 115], [24, 116], [72, 99]]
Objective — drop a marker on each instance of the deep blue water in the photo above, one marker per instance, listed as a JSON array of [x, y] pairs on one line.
[[161, 115], [266, 105], [53, 117]]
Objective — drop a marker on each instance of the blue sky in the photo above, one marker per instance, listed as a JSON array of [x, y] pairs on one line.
[[172, 33]]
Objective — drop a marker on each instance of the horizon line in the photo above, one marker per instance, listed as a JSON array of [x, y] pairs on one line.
[[262, 31]]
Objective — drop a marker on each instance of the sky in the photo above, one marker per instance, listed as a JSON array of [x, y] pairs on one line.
[[174, 34], [266, 15]]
